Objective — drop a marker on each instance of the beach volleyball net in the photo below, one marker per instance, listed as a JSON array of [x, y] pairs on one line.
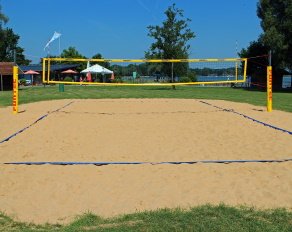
[[145, 72]]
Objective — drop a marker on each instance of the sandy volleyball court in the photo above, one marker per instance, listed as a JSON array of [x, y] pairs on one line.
[[143, 130]]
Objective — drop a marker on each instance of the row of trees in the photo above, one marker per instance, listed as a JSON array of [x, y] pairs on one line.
[[172, 37], [127, 69]]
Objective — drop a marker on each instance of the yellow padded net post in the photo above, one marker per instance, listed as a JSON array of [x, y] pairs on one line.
[[269, 89], [15, 90]]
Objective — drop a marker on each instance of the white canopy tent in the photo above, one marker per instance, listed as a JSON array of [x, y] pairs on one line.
[[97, 69]]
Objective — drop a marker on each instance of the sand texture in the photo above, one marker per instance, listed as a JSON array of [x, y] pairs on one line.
[[143, 130]]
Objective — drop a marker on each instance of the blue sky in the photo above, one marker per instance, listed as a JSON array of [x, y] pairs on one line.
[[118, 28]]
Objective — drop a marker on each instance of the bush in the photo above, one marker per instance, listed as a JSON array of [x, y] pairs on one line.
[[185, 79], [22, 81], [117, 80], [192, 76], [68, 79]]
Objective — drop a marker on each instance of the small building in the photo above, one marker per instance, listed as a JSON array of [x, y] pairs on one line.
[[6, 75]]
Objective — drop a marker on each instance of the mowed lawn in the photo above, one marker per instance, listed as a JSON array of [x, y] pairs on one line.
[[281, 100]]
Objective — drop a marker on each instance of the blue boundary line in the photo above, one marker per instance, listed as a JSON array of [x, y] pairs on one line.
[[248, 117], [152, 163], [36, 121]]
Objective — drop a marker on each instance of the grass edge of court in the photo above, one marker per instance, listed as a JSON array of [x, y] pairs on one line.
[[282, 101], [205, 217]]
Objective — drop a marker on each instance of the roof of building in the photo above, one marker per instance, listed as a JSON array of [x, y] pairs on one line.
[[53, 67], [6, 68]]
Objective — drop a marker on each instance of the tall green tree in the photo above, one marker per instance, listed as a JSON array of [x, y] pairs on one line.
[[257, 66], [71, 52], [9, 43], [171, 41], [276, 22], [99, 56]]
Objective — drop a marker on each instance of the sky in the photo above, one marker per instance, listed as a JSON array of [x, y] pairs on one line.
[[117, 29]]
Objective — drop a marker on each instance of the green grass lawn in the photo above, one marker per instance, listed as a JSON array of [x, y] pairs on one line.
[[281, 101], [202, 218]]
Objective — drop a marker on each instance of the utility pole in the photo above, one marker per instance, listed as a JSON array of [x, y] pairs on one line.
[[172, 77], [1, 82], [172, 80], [14, 56]]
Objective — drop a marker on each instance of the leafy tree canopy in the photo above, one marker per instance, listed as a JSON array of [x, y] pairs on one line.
[[9, 43], [71, 52], [276, 21], [171, 41], [257, 66], [99, 56]]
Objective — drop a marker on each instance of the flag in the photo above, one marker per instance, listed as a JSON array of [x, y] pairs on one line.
[[55, 36]]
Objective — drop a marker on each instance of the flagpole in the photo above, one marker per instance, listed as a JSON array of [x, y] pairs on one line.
[[60, 46]]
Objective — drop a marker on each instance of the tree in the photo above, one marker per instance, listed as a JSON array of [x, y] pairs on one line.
[[9, 43], [99, 56], [171, 42], [276, 22], [257, 67], [71, 52]]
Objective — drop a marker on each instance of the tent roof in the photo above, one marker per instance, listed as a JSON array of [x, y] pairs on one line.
[[97, 69]]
